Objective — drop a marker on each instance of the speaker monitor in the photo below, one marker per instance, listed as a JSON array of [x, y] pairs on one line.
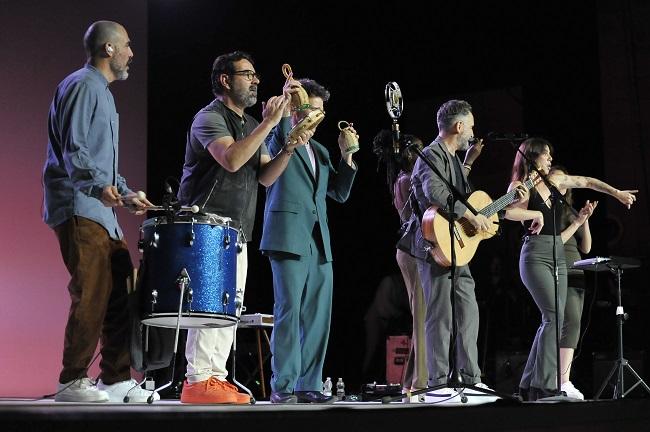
[[397, 353]]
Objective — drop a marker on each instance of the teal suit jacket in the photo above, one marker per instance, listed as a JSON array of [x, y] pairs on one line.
[[296, 201]]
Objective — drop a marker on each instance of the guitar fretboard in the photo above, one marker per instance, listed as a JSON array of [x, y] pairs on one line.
[[505, 200]]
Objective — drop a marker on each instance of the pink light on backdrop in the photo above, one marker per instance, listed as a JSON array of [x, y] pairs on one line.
[[41, 43]]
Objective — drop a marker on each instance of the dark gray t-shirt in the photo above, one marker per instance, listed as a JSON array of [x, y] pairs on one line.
[[206, 183]]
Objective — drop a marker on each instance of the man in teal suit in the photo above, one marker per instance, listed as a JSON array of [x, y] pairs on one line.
[[296, 239]]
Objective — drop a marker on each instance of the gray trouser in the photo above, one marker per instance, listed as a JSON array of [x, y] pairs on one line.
[[575, 298], [536, 270], [437, 297], [415, 372]]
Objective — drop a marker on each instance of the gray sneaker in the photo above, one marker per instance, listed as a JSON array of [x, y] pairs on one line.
[[80, 390], [128, 391]]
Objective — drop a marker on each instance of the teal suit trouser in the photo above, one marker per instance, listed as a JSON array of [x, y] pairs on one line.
[[302, 286]]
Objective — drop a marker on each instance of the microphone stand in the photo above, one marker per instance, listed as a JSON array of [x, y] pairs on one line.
[[170, 204], [555, 196]]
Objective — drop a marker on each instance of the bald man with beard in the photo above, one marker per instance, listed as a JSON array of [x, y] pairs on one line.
[[82, 187]]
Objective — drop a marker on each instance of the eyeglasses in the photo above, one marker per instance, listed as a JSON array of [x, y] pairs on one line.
[[248, 74]]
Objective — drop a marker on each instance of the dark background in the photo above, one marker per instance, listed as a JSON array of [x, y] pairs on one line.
[[543, 68]]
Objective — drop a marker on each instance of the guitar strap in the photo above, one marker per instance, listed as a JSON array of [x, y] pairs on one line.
[[415, 206]]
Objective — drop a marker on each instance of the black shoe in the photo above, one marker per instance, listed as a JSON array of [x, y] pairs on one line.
[[283, 398], [523, 393], [314, 397], [541, 393]]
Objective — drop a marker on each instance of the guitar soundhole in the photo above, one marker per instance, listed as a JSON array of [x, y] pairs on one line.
[[468, 228]]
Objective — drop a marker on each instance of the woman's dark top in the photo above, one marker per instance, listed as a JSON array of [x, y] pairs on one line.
[[535, 202]]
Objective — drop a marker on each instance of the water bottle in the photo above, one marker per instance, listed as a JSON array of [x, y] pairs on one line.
[[340, 389], [327, 387]]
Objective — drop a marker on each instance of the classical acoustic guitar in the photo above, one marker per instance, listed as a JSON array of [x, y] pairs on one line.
[[435, 226]]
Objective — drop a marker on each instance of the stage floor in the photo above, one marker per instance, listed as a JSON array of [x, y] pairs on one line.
[[605, 415]]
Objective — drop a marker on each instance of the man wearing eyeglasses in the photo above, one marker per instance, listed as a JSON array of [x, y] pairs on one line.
[[225, 158], [297, 241]]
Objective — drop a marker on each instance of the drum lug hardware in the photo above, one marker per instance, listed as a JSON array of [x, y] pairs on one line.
[[226, 241], [190, 238], [154, 242], [225, 299], [154, 297], [189, 296], [183, 278], [239, 307], [141, 241]]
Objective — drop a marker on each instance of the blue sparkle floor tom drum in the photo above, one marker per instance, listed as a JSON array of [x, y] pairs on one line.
[[206, 247]]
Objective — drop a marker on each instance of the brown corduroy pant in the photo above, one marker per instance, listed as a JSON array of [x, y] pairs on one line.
[[99, 267]]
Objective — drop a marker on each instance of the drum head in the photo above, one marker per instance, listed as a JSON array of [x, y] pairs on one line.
[[206, 218], [189, 320]]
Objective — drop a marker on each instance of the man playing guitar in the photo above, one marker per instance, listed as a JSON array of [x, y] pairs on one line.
[[455, 124]]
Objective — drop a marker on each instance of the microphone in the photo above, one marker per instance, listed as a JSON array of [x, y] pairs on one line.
[[506, 136], [395, 106], [394, 101], [167, 188]]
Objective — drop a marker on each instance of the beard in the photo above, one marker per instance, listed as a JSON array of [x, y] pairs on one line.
[[121, 72], [463, 143], [245, 97]]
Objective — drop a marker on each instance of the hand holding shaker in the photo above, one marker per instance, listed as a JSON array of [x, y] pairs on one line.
[[348, 138]]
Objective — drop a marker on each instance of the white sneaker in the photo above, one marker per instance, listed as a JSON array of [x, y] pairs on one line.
[[80, 390], [571, 391], [128, 391]]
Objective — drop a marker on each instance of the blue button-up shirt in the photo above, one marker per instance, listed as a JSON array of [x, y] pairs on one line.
[[82, 151]]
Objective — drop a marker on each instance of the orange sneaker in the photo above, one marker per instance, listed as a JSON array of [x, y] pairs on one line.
[[210, 391], [242, 398]]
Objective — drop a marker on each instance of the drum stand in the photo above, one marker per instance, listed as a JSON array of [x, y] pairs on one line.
[[233, 361], [239, 307], [183, 282], [621, 364]]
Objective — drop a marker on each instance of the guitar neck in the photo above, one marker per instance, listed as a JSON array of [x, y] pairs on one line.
[[504, 201]]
